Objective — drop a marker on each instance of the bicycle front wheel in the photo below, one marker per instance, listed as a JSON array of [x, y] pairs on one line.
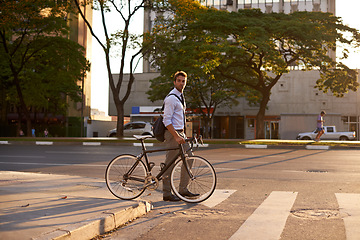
[[197, 186], [125, 177]]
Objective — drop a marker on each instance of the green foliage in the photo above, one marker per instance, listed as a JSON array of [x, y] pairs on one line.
[[40, 65], [177, 47], [253, 50]]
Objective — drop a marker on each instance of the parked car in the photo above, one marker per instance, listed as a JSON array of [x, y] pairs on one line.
[[134, 128], [330, 134]]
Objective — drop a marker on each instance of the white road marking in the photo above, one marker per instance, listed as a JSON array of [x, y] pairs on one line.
[[4, 142], [317, 147], [79, 152], [217, 197], [268, 220], [91, 143], [146, 144], [54, 164], [18, 156], [349, 204], [43, 143], [255, 146]]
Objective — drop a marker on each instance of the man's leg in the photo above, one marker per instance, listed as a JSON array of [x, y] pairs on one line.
[[170, 142], [317, 138], [184, 177]]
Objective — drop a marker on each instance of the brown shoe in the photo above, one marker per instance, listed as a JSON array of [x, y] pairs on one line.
[[187, 193], [171, 198]]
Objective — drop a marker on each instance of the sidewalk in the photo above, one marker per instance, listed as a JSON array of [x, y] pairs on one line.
[[46, 206]]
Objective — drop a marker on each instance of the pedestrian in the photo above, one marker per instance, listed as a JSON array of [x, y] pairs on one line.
[[223, 133], [174, 121], [320, 126], [46, 132], [33, 132]]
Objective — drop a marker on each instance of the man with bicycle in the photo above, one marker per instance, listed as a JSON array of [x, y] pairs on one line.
[[174, 121]]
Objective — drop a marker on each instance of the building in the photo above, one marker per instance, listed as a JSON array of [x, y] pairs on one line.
[[293, 100], [80, 111], [285, 6]]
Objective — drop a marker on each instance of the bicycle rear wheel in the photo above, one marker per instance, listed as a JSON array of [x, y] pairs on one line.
[[202, 184], [125, 177]]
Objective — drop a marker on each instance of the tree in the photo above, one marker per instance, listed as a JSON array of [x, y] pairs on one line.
[[259, 48], [42, 66], [175, 47], [123, 38]]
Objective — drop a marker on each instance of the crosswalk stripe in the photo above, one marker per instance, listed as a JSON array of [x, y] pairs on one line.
[[268, 220], [217, 197], [349, 204]]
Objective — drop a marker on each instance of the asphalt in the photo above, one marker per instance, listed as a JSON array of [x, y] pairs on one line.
[[47, 206]]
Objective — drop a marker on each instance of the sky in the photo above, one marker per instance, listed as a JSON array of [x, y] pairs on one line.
[[348, 10]]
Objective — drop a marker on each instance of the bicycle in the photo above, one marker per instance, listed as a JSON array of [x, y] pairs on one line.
[[127, 176]]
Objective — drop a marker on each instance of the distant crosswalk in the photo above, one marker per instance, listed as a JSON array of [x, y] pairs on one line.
[[268, 220]]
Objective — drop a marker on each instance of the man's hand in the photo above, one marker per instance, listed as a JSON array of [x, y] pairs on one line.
[[177, 137]]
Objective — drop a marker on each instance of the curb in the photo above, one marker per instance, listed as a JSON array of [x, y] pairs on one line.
[[106, 222]]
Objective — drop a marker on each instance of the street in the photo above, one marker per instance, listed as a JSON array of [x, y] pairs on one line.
[[291, 193]]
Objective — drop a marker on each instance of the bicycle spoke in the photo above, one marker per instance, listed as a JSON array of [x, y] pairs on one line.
[[125, 177], [201, 186]]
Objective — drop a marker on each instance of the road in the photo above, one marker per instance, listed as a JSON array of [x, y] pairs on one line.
[[284, 193]]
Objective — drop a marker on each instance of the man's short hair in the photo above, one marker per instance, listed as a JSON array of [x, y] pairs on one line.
[[180, 73]]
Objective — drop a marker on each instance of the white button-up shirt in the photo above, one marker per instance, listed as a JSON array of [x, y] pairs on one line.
[[174, 111]]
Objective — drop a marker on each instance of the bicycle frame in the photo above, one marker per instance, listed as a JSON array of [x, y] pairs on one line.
[[148, 166]]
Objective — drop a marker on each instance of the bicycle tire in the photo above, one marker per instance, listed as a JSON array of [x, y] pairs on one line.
[[120, 185], [203, 182]]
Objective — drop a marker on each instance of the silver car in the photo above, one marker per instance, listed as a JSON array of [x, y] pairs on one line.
[[134, 128]]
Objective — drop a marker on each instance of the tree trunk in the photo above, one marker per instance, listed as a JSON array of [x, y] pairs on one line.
[[260, 117], [23, 105], [120, 118]]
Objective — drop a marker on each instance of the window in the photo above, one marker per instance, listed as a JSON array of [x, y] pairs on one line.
[[330, 129], [127, 127], [353, 119], [138, 125], [344, 119], [251, 122]]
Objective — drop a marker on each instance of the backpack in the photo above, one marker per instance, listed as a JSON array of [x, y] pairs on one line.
[[159, 127]]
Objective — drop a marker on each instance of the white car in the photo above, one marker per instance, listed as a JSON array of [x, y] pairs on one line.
[[134, 128], [329, 134]]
